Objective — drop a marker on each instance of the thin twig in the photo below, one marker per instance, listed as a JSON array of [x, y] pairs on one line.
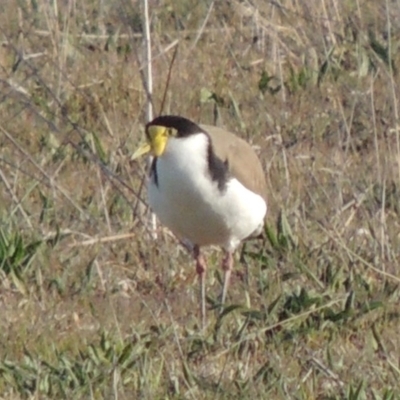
[[201, 30], [168, 80], [105, 239]]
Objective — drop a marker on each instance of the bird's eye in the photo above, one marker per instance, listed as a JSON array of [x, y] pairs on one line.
[[173, 132]]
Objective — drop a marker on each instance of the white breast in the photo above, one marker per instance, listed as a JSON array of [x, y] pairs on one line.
[[189, 203]]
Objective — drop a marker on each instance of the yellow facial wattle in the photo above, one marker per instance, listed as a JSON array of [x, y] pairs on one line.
[[157, 138]]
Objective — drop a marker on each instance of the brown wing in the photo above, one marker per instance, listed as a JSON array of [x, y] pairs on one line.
[[242, 160]]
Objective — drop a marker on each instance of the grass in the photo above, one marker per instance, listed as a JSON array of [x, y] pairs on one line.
[[92, 308]]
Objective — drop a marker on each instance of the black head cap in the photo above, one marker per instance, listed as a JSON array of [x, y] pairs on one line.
[[183, 126]]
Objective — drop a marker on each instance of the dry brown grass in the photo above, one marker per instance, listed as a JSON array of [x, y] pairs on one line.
[[92, 308]]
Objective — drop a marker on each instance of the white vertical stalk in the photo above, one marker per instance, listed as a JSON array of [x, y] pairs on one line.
[[148, 61], [149, 90]]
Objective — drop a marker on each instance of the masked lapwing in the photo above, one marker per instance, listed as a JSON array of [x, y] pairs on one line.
[[207, 186]]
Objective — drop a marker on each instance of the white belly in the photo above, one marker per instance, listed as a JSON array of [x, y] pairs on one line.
[[189, 203]]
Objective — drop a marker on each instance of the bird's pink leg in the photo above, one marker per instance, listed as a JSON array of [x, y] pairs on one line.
[[227, 265], [201, 272]]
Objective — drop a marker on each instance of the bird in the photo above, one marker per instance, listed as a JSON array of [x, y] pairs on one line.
[[206, 185]]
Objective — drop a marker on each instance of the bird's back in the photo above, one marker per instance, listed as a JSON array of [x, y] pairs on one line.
[[242, 160]]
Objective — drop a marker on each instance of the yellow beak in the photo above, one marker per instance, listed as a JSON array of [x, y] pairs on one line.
[[143, 149], [156, 142]]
